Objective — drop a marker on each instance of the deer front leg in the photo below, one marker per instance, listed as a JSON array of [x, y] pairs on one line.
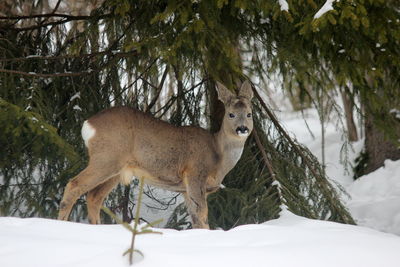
[[196, 203]]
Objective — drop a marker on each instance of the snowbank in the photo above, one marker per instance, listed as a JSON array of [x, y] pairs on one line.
[[375, 198], [288, 241]]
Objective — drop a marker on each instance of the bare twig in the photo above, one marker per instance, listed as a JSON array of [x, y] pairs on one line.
[[52, 12], [56, 7], [135, 81], [172, 100], [160, 86]]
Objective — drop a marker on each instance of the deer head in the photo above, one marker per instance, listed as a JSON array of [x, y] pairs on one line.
[[238, 121]]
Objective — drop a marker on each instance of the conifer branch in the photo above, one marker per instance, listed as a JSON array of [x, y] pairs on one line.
[[268, 164], [66, 18], [88, 55], [263, 154], [67, 74], [46, 75], [49, 15], [315, 174]]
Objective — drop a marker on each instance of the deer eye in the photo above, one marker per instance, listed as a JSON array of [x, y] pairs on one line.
[[231, 115], [248, 115]]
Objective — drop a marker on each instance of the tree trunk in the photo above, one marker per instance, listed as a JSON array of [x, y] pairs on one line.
[[377, 146], [348, 110], [125, 205]]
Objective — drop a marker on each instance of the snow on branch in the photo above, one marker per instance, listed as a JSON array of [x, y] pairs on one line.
[[325, 8], [284, 5]]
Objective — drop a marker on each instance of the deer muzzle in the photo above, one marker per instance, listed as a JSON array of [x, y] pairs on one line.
[[242, 131]]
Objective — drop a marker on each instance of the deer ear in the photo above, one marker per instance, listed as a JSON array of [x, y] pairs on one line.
[[223, 93], [246, 90]]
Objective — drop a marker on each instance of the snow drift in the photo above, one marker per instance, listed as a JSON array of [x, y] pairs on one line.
[[288, 241]]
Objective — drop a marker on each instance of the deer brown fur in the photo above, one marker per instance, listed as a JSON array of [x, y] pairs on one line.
[[124, 142]]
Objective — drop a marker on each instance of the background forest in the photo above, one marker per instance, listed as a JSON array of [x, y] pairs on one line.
[[63, 61]]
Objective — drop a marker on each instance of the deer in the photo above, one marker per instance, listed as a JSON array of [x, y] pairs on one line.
[[124, 143]]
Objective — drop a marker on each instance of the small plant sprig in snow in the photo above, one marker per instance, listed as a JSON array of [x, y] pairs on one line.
[[134, 230]]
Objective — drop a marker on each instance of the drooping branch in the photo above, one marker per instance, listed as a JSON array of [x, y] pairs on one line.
[[282, 131], [314, 172], [264, 154]]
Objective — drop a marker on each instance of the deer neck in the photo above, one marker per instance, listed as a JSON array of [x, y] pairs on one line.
[[231, 148]]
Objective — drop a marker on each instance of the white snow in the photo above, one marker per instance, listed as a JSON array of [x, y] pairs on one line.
[[285, 242], [325, 8], [284, 5], [376, 198], [77, 95], [395, 112], [76, 107]]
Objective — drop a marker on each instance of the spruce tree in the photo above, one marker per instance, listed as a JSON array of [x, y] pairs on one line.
[[352, 48], [128, 52]]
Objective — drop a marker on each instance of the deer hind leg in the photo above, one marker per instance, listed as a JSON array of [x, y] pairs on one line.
[[96, 196], [89, 178], [196, 203]]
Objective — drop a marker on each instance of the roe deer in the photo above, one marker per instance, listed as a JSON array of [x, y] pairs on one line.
[[124, 142]]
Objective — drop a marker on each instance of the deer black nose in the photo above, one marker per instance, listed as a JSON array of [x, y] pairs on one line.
[[242, 130]]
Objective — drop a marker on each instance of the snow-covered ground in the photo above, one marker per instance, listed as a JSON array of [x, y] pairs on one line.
[[286, 242]]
